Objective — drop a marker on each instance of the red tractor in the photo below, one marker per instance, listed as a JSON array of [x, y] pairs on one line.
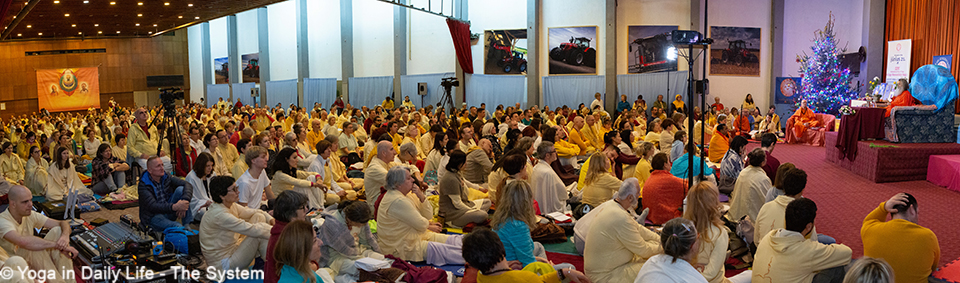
[[515, 62], [738, 53], [576, 52], [653, 53], [252, 69]]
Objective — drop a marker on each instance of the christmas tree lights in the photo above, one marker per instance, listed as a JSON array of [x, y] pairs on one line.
[[825, 83]]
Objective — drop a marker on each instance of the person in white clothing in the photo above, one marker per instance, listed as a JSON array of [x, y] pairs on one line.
[[548, 189], [680, 246], [597, 102], [254, 183], [62, 178], [232, 235], [92, 143], [17, 225], [199, 178]]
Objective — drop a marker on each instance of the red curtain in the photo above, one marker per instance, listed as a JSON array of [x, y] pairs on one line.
[[460, 32], [933, 26]]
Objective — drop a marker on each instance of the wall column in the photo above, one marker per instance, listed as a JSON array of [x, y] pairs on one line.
[[776, 68], [610, 54], [346, 46], [233, 55], [263, 41], [534, 12], [874, 13], [207, 59], [399, 50], [303, 50]]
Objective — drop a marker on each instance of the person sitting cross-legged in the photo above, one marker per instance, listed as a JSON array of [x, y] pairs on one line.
[[483, 250], [404, 229], [771, 214], [291, 206], [232, 235], [346, 238], [786, 255], [616, 245], [750, 191], [17, 224]]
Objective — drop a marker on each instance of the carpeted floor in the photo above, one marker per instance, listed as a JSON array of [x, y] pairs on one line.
[[844, 199]]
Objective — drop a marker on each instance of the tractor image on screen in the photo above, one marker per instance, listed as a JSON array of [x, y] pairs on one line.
[[737, 53], [576, 52]]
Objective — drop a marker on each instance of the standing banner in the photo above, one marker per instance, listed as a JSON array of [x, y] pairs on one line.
[[945, 61], [68, 89], [898, 60]]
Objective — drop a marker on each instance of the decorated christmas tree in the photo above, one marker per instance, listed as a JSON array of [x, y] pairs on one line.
[[825, 83]]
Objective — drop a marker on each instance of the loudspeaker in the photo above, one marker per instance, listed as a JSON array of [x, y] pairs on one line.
[[702, 86], [422, 88]]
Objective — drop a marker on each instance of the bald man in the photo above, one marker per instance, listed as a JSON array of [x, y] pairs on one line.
[[52, 252], [577, 137], [375, 175]]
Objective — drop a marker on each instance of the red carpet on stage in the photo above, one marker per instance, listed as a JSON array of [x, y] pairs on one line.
[[844, 199]]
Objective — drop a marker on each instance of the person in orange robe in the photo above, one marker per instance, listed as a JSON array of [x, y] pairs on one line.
[[902, 99], [803, 119], [742, 124]]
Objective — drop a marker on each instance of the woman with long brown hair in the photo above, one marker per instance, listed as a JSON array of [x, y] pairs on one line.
[[513, 221], [703, 209], [296, 248], [599, 184]]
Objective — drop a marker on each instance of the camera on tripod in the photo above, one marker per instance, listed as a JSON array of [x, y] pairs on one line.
[[449, 82], [168, 98]]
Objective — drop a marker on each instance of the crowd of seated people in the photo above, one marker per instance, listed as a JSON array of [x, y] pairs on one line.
[[388, 181]]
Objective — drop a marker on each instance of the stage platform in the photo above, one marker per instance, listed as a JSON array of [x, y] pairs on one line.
[[886, 161]]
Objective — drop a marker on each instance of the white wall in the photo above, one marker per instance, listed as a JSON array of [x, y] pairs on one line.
[[248, 40], [218, 41], [732, 89], [492, 15], [429, 46], [195, 56], [799, 28], [323, 28], [283, 40], [648, 13], [573, 13], [372, 38]]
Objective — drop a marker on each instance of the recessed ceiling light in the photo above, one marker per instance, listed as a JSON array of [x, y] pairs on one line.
[[139, 15], [113, 3], [80, 32], [39, 33], [189, 5], [179, 17], [118, 31], [149, 32], [56, 2], [154, 24], [19, 34], [139, 3], [66, 15], [197, 18], [29, 26], [166, 3], [74, 25], [96, 25], [138, 25], [86, 2], [100, 31]]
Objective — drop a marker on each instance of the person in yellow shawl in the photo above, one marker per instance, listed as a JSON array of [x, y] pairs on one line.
[[388, 102], [678, 105], [719, 144], [11, 164], [803, 119], [576, 136]]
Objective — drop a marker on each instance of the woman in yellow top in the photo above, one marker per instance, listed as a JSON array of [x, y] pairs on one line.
[[388, 103], [642, 173], [11, 165], [653, 136], [678, 105], [484, 250], [748, 103], [600, 182]]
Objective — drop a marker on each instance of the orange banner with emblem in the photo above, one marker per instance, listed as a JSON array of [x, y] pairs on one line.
[[68, 89]]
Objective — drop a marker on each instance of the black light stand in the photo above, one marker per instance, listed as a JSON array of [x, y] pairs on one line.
[[691, 40]]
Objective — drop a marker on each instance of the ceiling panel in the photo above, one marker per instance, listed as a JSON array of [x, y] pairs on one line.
[[63, 19]]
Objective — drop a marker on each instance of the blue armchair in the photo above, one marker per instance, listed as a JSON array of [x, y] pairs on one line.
[[919, 125]]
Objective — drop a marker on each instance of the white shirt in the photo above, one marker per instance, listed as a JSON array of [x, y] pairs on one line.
[[251, 190], [198, 145], [319, 165], [662, 268], [595, 103], [548, 189], [90, 147]]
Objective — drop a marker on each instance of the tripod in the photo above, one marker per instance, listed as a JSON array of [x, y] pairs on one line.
[[446, 99]]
